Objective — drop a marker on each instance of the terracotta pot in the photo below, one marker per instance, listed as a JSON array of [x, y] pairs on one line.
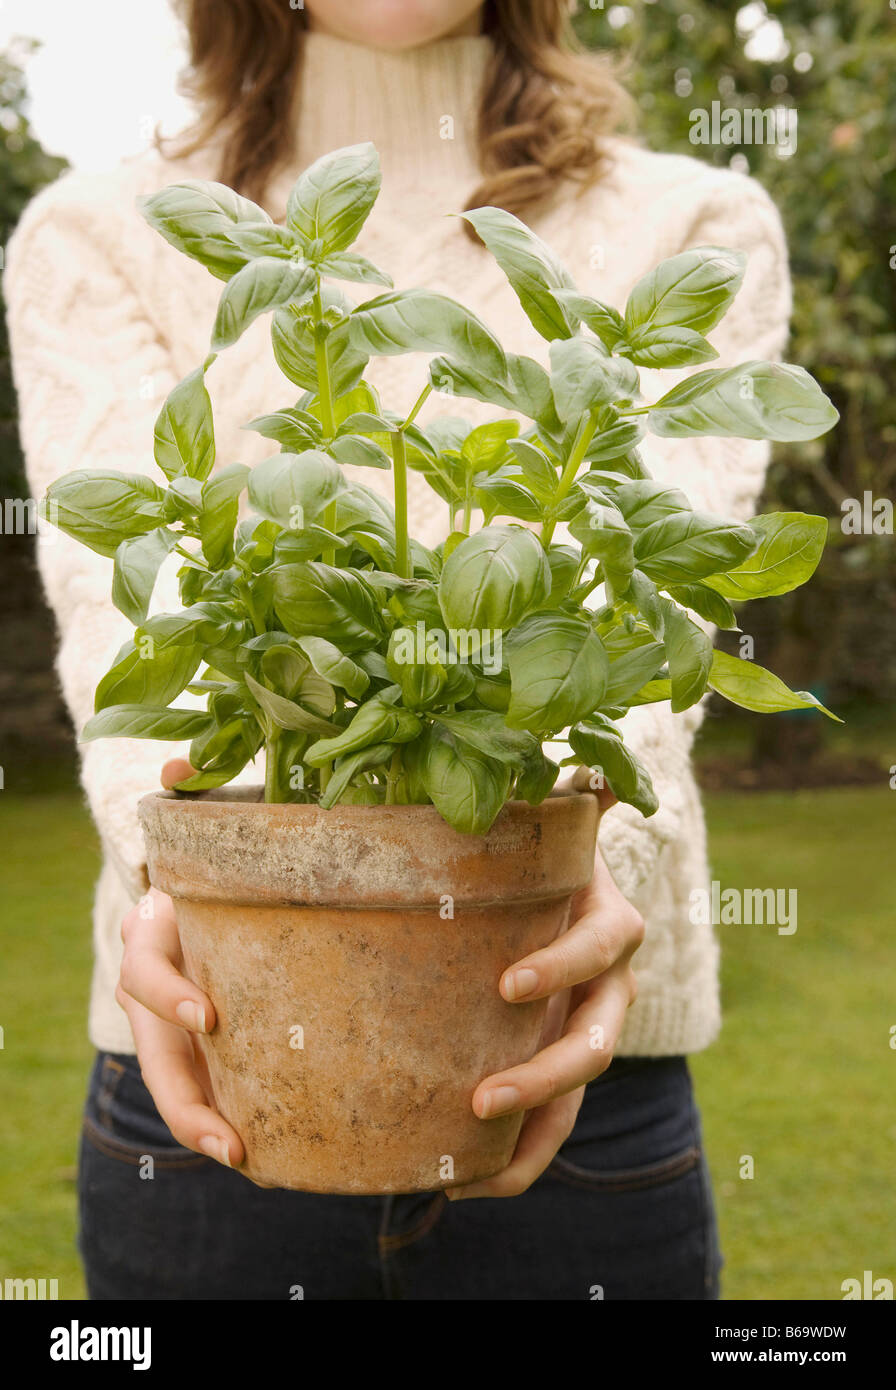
[[353, 958]]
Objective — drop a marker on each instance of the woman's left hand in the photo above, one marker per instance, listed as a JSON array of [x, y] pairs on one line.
[[587, 972]]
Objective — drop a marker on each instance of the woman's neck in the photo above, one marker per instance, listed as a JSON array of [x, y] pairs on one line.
[[419, 106]]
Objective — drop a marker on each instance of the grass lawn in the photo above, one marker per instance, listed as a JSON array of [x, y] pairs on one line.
[[801, 1079]]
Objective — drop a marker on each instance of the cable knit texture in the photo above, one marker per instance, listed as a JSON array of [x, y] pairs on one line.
[[105, 318]]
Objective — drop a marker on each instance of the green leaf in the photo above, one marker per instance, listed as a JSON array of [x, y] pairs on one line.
[[359, 452], [493, 578], [710, 604], [294, 353], [629, 672], [526, 388], [312, 598], [558, 672], [758, 400], [348, 265], [376, 721], [295, 489], [138, 721], [199, 218], [294, 430], [533, 270], [603, 320], [466, 787], [604, 535], [688, 655], [752, 687], [668, 347], [184, 430], [488, 733], [153, 679], [790, 547], [684, 546], [350, 765], [537, 778], [486, 447], [332, 199], [265, 239], [286, 714], [421, 321], [603, 750], [692, 290], [538, 471], [102, 507], [644, 594], [137, 563], [262, 285], [500, 495], [642, 501], [220, 509], [329, 662], [583, 378]]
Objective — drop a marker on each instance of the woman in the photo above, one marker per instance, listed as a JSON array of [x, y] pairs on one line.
[[468, 104]]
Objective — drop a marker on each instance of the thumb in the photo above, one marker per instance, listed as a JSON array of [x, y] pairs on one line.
[[176, 770]]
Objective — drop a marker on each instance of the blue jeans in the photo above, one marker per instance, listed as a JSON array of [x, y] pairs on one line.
[[624, 1212]]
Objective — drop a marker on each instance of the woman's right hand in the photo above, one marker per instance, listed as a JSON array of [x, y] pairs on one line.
[[166, 1013]]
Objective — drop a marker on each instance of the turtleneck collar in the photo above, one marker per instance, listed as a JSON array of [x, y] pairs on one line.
[[419, 106]]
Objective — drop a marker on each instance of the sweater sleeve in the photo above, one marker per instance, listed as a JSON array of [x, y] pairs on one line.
[[724, 476], [89, 371]]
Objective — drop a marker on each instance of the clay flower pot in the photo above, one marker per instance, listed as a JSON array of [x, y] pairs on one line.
[[353, 957]]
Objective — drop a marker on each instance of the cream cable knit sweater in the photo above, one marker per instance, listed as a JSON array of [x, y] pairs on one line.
[[105, 317]]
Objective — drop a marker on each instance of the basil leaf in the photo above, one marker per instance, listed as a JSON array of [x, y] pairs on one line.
[[558, 672], [629, 672], [499, 495], [294, 430], [604, 535], [286, 714], [526, 388], [668, 347], [294, 353], [488, 733], [493, 578], [199, 218], [684, 546], [359, 452], [350, 765], [707, 602], [265, 239], [643, 501], [584, 378], [184, 430], [533, 270], [332, 199], [752, 687], [688, 656], [348, 265], [692, 290], [537, 778], [264, 284], [603, 751], [466, 787], [220, 509], [790, 547], [137, 563], [421, 321], [295, 489], [486, 447], [102, 507], [603, 320], [329, 662], [139, 678], [137, 721], [758, 400], [376, 721], [311, 598]]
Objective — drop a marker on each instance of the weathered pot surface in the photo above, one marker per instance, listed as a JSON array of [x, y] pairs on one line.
[[353, 957]]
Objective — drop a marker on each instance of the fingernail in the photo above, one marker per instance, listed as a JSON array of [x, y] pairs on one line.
[[499, 1102], [215, 1148], [191, 1015], [520, 983]]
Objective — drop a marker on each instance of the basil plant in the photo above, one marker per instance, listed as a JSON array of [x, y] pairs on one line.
[[370, 668]]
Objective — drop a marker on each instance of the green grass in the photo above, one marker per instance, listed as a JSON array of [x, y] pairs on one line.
[[801, 1079]]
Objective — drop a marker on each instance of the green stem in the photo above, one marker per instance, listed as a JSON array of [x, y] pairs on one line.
[[272, 767], [393, 777], [197, 559], [325, 396], [568, 476], [424, 394], [400, 485]]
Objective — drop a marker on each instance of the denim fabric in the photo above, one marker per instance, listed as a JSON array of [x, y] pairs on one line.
[[624, 1212]]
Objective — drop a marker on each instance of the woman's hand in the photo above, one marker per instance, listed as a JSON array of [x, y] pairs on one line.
[[588, 975], [166, 1011]]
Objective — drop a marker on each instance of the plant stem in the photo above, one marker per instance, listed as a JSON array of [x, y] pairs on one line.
[[568, 476], [196, 559], [400, 485], [271, 766], [325, 396], [393, 777], [424, 394]]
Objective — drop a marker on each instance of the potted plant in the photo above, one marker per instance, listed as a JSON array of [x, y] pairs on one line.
[[351, 922]]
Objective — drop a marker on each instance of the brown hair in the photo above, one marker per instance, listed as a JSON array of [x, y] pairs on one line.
[[545, 103]]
